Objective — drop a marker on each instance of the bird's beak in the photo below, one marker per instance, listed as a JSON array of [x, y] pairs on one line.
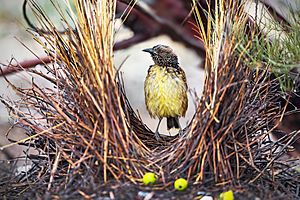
[[149, 50]]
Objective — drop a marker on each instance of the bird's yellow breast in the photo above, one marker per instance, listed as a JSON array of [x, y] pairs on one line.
[[166, 92]]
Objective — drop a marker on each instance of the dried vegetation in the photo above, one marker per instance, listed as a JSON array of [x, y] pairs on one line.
[[87, 133]]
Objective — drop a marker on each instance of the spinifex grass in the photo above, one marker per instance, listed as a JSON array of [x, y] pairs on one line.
[[280, 53], [86, 129]]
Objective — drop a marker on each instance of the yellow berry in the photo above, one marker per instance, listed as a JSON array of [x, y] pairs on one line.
[[180, 184], [149, 178], [228, 195]]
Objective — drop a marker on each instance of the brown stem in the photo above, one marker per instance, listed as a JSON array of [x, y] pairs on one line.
[[10, 68]]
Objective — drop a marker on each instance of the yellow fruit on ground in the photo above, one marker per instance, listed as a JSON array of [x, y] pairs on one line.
[[228, 195], [180, 184], [149, 178]]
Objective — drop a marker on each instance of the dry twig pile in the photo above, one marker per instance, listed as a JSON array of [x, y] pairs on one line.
[[88, 134]]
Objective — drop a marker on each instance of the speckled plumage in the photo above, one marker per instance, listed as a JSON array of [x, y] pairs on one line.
[[166, 92], [165, 87]]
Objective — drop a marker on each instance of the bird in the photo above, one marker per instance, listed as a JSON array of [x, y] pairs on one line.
[[165, 88]]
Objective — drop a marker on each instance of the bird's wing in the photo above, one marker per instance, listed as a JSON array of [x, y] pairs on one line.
[[181, 75]]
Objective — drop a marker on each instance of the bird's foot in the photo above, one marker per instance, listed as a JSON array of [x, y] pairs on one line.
[[180, 132], [157, 136]]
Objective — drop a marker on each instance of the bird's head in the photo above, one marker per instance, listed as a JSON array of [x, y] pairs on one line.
[[163, 55]]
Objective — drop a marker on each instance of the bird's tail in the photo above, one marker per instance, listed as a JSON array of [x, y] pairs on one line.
[[173, 122]]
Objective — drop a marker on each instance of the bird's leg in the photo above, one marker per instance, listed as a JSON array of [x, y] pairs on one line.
[[156, 134], [180, 132]]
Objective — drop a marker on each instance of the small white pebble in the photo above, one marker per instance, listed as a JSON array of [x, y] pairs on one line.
[[207, 198]]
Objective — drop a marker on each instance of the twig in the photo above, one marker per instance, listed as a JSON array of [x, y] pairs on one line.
[[54, 169], [9, 69]]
